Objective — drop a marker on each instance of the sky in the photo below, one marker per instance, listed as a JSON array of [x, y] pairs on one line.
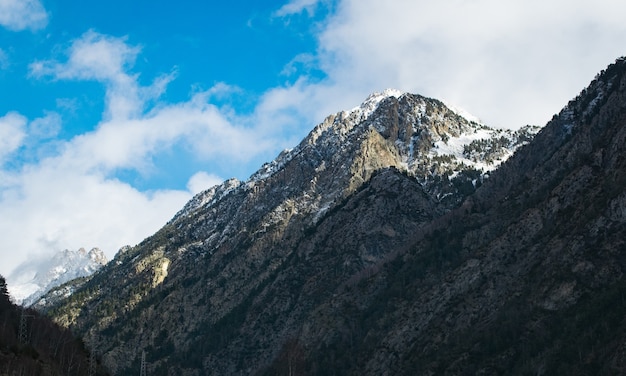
[[114, 114]]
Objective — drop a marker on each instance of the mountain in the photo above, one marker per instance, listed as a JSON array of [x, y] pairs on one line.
[[31, 344], [387, 242], [45, 274], [232, 242]]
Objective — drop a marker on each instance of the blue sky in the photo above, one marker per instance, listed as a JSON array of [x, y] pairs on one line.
[[200, 45], [113, 114]]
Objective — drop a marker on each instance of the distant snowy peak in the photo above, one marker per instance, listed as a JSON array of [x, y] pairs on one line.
[[80, 258], [50, 273], [72, 262]]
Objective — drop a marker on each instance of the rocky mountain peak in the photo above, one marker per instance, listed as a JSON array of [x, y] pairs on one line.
[[343, 200], [97, 256], [415, 134]]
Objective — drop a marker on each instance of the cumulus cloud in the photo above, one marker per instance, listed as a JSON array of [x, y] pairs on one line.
[[130, 132], [93, 56], [105, 59], [510, 63], [45, 127], [48, 208], [202, 180], [19, 15], [296, 7]]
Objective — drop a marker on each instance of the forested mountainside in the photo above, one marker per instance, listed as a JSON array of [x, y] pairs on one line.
[[378, 246], [32, 345]]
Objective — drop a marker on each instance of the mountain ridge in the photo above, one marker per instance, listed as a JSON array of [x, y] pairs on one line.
[[364, 251]]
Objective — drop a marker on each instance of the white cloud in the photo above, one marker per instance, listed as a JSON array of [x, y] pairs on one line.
[[296, 7], [130, 132], [19, 15], [12, 133], [45, 127], [510, 63], [49, 208], [202, 181], [105, 59], [305, 60], [93, 56]]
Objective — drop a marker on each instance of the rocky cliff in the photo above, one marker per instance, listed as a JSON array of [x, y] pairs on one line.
[[377, 246]]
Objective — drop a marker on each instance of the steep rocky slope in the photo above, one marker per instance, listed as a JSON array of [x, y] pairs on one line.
[[238, 271], [365, 250], [526, 277]]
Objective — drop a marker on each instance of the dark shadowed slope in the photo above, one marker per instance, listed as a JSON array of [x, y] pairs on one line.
[[527, 277], [31, 344]]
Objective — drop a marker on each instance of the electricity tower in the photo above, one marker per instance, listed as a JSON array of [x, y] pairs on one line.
[[92, 363], [23, 336], [143, 364]]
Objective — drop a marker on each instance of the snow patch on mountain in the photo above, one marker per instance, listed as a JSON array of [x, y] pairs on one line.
[[462, 112], [485, 148], [455, 147], [208, 197]]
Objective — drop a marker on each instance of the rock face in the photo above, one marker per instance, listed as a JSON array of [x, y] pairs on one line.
[[376, 246]]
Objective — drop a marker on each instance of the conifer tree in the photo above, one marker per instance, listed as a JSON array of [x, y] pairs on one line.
[[5, 301]]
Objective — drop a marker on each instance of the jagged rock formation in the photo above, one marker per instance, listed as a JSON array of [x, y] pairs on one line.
[[368, 249]]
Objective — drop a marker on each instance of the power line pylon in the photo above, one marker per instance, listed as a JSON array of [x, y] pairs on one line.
[[92, 363], [143, 364], [23, 333]]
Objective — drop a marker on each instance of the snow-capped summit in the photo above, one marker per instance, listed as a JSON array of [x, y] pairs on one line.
[[37, 278], [373, 100], [442, 148]]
